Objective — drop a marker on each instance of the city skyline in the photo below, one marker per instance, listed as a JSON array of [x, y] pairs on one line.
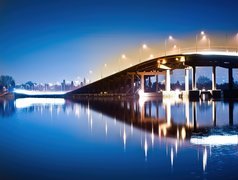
[[49, 41]]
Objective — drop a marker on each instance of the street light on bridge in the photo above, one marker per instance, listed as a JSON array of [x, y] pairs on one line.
[[165, 43], [90, 73], [204, 37], [123, 57], [105, 66], [208, 40], [152, 56], [202, 33], [143, 48]]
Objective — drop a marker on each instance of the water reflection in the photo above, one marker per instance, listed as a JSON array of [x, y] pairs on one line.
[[7, 107], [178, 125]]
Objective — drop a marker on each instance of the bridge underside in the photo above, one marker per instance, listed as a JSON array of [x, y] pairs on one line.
[[137, 79]]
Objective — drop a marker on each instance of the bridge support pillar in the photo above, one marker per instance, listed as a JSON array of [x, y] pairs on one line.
[[157, 85], [167, 80], [186, 79], [194, 78], [142, 83], [230, 78], [213, 77]]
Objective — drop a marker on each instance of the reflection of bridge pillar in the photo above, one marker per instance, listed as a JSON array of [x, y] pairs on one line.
[[142, 83], [186, 79], [231, 109], [194, 105], [157, 109], [213, 77], [187, 112], [150, 109], [168, 113], [230, 78], [142, 112], [167, 80], [194, 78], [132, 111], [214, 113]]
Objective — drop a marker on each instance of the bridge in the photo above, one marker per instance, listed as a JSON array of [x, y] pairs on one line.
[[137, 80]]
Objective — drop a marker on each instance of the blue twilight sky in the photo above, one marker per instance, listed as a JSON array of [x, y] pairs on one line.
[[52, 40]]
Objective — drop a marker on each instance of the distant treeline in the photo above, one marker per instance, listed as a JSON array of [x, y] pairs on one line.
[[7, 83]]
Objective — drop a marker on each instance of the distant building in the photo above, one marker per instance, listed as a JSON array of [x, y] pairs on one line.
[[63, 84]]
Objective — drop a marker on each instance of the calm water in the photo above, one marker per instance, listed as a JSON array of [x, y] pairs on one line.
[[57, 138]]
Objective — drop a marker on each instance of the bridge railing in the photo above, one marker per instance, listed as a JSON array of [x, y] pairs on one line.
[[230, 49]]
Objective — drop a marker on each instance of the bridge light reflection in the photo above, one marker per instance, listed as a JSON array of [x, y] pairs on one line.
[[27, 102], [215, 140], [172, 157], [183, 133], [146, 148], [204, 159], [124, 137], [152, 137]]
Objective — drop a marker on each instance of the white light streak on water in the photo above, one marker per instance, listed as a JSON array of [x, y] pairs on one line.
[[215, 140], [27, 102]]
